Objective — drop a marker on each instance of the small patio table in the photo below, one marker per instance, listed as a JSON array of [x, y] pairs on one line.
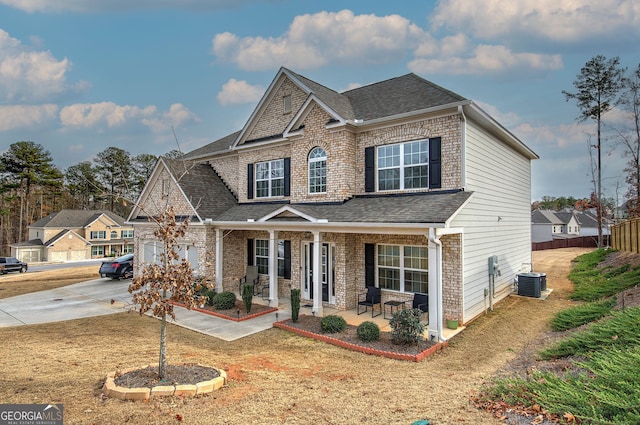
[[393, 304]]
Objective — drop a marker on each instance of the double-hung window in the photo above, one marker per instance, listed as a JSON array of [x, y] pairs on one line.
[[98, 234], [318, 171], [262, 256], [270, 178], [403, 268], [403, 166], [126, 234]]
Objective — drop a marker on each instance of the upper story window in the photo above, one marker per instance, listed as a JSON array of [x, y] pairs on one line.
[[114, 234], [126, 234], [286, 104], [317, 171], [98, 234], [403, 166], [270, 179]]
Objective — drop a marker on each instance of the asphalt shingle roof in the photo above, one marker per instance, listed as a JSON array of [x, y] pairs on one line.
[[66, 219], [391, 97], [431, 207], [202, 187]]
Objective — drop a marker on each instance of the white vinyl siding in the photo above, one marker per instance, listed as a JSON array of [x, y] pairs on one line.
[[496, 220]]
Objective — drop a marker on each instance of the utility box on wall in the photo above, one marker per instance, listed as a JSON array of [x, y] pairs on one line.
[[529, 284]]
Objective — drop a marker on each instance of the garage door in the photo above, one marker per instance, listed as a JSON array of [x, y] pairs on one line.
[[32, 256], [57, 255], [78, 255]]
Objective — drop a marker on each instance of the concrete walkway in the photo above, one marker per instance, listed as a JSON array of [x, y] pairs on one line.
[[105, 296]]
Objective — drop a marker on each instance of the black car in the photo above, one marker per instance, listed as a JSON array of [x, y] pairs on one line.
[[119, 268], [12, 264]]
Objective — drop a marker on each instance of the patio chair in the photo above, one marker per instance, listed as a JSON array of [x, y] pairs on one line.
[[421, 302], [372, 297], [250, 278]]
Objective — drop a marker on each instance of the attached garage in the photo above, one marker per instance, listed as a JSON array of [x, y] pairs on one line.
[[58, 256], [78, 255]]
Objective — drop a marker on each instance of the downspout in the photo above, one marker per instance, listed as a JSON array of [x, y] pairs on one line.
[[436, 240], [463, 149]]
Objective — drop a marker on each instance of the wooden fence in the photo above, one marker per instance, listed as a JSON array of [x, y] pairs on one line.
[[579, 242], [625, 236]]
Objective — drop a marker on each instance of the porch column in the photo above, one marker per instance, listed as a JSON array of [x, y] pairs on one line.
[[435, 297], [317, 274], [273, 268], [219, 259]]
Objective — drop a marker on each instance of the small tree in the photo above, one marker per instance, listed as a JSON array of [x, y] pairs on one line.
[[598, 86], [169, 280], [295, 304]]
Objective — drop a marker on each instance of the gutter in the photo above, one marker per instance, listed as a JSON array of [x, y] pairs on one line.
[[436, 240], [463, 158]]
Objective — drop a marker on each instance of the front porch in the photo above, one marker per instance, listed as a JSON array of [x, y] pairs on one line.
[[350, 316]]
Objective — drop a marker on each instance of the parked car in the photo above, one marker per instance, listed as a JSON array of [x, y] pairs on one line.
[[119, 268], [12, 264]]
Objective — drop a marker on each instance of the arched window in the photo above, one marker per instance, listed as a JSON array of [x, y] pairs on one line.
[[114, 234], [317, 171]]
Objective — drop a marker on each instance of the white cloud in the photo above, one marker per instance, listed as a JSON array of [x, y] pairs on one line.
[[553, 20], [176, 116], [118, 5], [27, 75], [110, 115], [237, 92], [315, 40], [485, 59], [26, 116]]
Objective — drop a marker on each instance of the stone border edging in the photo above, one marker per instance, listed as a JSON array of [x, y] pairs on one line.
[[354, 347], [226, 317], [143, 393]]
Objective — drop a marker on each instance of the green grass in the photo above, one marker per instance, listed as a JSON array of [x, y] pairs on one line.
[[603, 385], [594, 284], [606, 391], [620, 330], [582, 314]]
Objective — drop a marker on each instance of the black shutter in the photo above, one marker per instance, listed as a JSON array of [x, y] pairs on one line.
[[435, 163], [369, 264], [287, 260], [287, 176], [250, 253], [249, 181], [370, 169]]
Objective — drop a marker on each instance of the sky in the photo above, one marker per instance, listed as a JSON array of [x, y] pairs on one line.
[[79, 76]]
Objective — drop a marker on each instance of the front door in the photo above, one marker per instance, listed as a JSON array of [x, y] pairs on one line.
[[327, 272]]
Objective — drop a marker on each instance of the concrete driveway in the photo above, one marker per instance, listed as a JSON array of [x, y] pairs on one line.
[[86, 299], [94, 298]]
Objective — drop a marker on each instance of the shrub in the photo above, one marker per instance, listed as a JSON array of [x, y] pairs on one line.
[[295, 304], [224, 300], [333, 324], [247, 297], [210, 295], [406, 327], [368, 331]]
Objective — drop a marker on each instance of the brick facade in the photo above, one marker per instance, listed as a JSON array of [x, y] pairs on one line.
[[345, 178]]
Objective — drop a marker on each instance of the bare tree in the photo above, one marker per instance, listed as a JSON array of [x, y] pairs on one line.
[[169, 280], [598, 89]]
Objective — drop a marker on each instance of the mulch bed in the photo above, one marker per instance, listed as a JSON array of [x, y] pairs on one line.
[[176, 375], [238, 313], [309, 326]]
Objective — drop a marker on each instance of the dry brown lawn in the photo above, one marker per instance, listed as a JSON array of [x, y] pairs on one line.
[[275, 376]]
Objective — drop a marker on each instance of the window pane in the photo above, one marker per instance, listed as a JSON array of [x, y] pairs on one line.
[[389, 179], [262, 189], [416, 177], [277, 187], [415, 281], [262, 171], [416, 257], [389, 278], [388, 256]]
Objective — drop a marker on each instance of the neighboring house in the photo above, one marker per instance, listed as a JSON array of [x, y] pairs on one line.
[[547, 225], [400, 184], [70, 235]]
